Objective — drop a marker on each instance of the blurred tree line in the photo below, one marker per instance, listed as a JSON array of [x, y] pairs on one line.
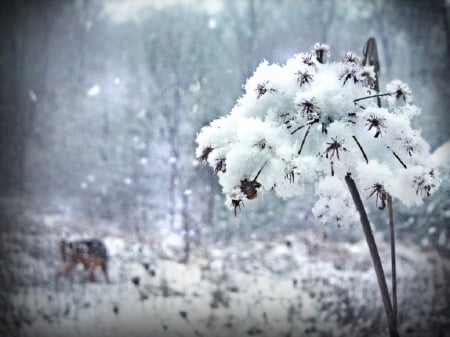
[[99, 117]]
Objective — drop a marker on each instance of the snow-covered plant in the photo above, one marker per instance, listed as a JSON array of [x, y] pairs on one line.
[[312, 122]]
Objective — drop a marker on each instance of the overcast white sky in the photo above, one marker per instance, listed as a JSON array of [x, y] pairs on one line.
[[122, 10]]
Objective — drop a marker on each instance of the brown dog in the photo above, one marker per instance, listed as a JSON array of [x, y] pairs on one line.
[[90, 253]]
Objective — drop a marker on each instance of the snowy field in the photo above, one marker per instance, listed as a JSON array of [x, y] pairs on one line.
[[302, 285]]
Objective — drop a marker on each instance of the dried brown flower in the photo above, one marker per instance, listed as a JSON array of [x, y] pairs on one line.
[[377, 123], [380, 194], [334, 147]]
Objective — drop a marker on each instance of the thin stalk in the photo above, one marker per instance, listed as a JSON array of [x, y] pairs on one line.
[[361, 148], [393, 263], [370, 52], [372, 96], [374, 255], [259, 172], [300, 127], [398, 158], [304, 138]]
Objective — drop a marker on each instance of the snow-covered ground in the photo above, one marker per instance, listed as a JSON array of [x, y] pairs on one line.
[[302, 285]]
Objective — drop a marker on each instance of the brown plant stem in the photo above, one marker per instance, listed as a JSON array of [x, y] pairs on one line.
[[374, 255], [370, 52], [393, 263]]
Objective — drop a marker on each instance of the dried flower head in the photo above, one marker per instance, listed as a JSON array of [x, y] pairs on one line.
[[304, 77], [205, 153], [261, 89], [309, 109], [249, 188], [321, 50], [424, 183], [236, 203], [377, 123], [409, 146], [221, 166], [380, 194], [350, 57], [307, 59], [400, 92], [366, 76], [334, 147]]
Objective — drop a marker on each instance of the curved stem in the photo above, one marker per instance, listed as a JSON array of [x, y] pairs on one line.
[[374, 255], [372, 96]]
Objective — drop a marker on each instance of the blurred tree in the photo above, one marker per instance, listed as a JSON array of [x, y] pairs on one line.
[[23, 74]]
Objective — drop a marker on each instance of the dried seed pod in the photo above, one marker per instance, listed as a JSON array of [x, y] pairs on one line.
[[205, 153], [236, 203], [221, 166], [377, 123], [380, 195], [249, 188]]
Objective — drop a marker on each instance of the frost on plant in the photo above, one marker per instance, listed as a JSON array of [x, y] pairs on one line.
[[312, 122]]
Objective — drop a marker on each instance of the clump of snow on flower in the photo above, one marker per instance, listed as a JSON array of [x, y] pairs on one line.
[[401, 92], [308, 121], [335, 203]]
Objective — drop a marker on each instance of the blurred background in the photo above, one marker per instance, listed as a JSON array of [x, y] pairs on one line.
[[100, 104]]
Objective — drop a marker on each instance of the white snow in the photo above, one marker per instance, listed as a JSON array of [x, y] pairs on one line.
[[441, 156], [212, 24], [226, 291], [304, 122]]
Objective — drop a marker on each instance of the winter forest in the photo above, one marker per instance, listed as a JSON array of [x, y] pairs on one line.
[[112, 223]]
